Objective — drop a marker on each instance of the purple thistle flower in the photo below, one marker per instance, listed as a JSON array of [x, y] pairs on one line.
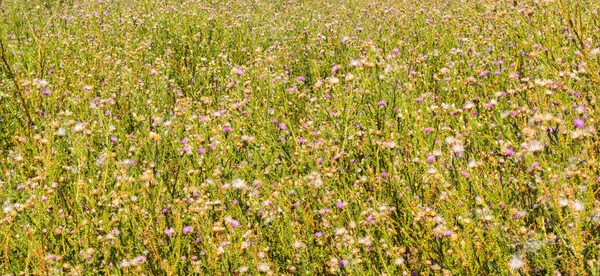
[[340, 204], [169, 231], [578, 123], [187, 229], [335, 69], [430, 158]]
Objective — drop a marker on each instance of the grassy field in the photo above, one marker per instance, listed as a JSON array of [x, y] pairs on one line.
[[343, 137]]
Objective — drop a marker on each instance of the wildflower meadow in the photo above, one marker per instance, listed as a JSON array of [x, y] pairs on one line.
[[304, 137]]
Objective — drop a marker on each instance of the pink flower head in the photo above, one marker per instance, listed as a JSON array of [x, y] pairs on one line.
[[169, 231], [335, 69], [430, 158]]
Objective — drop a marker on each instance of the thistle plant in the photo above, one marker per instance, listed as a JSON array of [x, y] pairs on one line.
[[304, 137]]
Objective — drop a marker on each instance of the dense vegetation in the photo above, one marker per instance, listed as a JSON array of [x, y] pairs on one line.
[[300, 137]]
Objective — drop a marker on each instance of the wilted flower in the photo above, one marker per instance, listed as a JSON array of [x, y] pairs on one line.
[[535, 146], [238, 184], [516, 262], [263, 268], [79, 127], [61, 132]]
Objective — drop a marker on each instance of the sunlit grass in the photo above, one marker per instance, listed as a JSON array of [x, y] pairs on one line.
[[300, 137]]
